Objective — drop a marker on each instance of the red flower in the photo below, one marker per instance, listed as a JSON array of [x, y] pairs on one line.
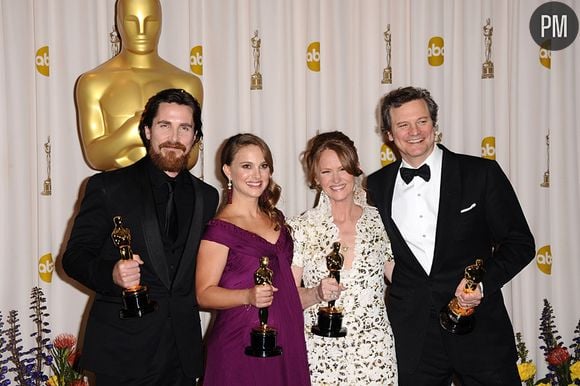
[[558, 356], [65, 341], [64, 356], [72, 358]]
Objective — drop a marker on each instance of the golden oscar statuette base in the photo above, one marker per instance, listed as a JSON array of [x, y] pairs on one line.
[[387, 76], [136, 302], [546, 182], [453, 317], [487, 70], [256, 81], [330, 317], [263, 337], [47, 187]]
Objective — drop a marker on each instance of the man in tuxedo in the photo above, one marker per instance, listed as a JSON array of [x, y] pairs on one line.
[[443, 211], [166, 209]]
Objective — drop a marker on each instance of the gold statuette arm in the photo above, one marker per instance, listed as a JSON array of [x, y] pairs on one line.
[[105, 147]]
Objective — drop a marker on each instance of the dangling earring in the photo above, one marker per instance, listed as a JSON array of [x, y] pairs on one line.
[[229, 192]]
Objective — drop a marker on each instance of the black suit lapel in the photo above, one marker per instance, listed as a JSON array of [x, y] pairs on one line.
[[187, 265], [150, 225], [449, 202]]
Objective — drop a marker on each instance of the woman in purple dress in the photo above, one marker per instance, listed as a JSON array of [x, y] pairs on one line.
[[247, 228]]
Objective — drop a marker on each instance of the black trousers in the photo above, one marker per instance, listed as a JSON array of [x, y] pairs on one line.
[[165, 370], [436, 367]]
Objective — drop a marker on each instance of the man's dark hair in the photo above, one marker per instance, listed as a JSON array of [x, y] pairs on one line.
[[402, 95], [170, 95]]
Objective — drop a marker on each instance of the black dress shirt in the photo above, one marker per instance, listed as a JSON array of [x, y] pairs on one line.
[[184, 202]]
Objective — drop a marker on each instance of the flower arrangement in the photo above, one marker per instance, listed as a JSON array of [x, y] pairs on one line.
[[563, 365], [26, 367]]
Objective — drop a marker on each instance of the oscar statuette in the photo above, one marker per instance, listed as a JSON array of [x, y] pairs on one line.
[[263, 337], [136, 301], [388, 71], [256, 78], [115, 41], [487, 66], [453, 317], [47, 184], [330, 317]]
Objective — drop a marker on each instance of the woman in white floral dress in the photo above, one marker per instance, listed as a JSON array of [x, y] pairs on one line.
[[366, 355]]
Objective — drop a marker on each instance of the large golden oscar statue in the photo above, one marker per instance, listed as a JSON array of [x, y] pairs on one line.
[[110, 97]]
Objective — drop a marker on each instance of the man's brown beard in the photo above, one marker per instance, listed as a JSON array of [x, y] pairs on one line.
[[169, 162]]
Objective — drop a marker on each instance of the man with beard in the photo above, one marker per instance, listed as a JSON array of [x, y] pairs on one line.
[[166, 209]]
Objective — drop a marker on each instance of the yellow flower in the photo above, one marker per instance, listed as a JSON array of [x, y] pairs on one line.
[[526, 370], [52, 381], [575, 370], [543, 384]]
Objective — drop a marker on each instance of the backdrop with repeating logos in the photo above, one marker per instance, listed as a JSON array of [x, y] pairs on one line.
[[324, 66]]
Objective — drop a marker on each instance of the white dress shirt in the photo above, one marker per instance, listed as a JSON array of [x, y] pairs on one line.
[[415, 207]]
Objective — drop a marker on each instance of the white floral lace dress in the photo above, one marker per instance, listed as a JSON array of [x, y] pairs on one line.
[[366, 355]]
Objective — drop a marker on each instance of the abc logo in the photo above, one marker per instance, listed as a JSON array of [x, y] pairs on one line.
[[45, 267], [41, 61], [545, 58], [387, 155], [196, 60], [488, 148], [313, 56], [544, 259], [435, 51]]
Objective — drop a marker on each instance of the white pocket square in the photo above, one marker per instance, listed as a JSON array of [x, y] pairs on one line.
[[469, 208]]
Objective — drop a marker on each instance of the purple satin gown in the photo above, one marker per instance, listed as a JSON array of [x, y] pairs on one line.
[[226, 363]]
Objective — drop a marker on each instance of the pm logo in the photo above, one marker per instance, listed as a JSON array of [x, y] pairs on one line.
[[387, 155], [313, 56], [196, 60], [436, 51], [544, 259], [45, 267], [41, 61], [554, 23], [488, 148]]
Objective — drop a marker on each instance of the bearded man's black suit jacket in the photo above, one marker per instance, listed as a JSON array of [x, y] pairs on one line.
[[479, 217], [124, 346]]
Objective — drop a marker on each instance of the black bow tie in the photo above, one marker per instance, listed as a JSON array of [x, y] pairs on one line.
[[408, 174]]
